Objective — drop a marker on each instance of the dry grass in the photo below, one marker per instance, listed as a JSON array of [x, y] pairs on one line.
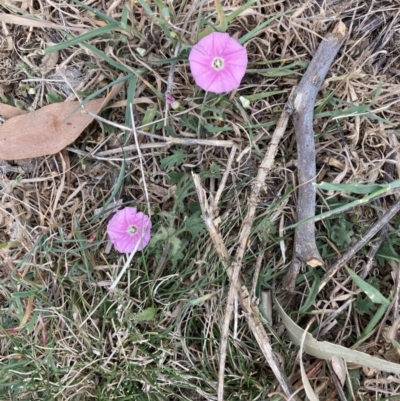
[[63, 335]]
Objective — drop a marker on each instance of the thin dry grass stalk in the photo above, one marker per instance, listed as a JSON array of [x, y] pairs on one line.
[[305, 249], [249, 307], [244, 234]]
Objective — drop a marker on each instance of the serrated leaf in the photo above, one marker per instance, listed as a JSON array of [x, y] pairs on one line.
[[175, 245], [167, 234], [364, 306], [370, 291], [160, 235], [195, 225], [174, 160]]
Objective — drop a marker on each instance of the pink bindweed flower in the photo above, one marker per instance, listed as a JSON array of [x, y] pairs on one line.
[[127, 228], [218, 63], [175, 105]]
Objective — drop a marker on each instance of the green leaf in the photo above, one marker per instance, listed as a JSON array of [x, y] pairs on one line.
[[364, 306], [260, 27], [98, 32], [148, 118], [238, 11], [200, 300], [167, 235], [342, 233], [53, 97], [195, 225], [174, 160], [357, 188], [313, 293], [96, 12], [372, 293], [146, 315], [258, 96], [174, 177], [176, 244], [213, 172]]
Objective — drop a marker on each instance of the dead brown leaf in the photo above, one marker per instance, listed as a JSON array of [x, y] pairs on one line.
[[45, 131], [7, 111]]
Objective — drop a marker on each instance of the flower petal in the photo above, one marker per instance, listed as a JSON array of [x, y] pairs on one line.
[[235, 59], [119, 224]]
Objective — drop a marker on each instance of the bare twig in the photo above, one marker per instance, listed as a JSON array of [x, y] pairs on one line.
[[305, 249], [168, 140], [243, 237], [250, 309], [234, 270], [367, 236], [336, 382], [222, 183]]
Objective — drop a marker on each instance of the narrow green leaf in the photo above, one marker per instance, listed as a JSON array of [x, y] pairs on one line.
[[223, 22], [313, 293], [98, 13], [260, 27], [372, 293], [357, 188], [259, 96], [200, 300], [325, 350], [373, 322], [81, 38], [148, 118], [241, 9], [350, 205]]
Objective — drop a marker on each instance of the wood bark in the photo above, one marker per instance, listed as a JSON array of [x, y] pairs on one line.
[[305, 249]]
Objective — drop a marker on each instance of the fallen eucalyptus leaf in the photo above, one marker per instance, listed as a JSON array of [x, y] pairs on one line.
[[326, 350], [45, 131], [7, 111]]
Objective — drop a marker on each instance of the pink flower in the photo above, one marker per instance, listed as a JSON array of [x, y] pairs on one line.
[[218, 63], [127, 228], [175, 105]]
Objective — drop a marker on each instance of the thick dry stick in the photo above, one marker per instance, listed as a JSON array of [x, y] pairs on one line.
[[305, 249]]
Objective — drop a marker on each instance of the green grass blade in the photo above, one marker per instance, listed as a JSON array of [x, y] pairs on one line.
[[237, 12], [263, 95], [81, 38], [358, 188], [370, 291], [98, 13], [260, 27], [340, 209], [131, 96], [313, 294], [373, 322]]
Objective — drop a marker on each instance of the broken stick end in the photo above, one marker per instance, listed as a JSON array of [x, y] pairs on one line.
[[340, 31]]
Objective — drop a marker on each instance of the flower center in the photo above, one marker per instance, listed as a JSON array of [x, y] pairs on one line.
[[218, 63], [132, 230]]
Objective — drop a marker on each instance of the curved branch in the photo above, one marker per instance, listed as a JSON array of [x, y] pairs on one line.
[[305, 249]]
